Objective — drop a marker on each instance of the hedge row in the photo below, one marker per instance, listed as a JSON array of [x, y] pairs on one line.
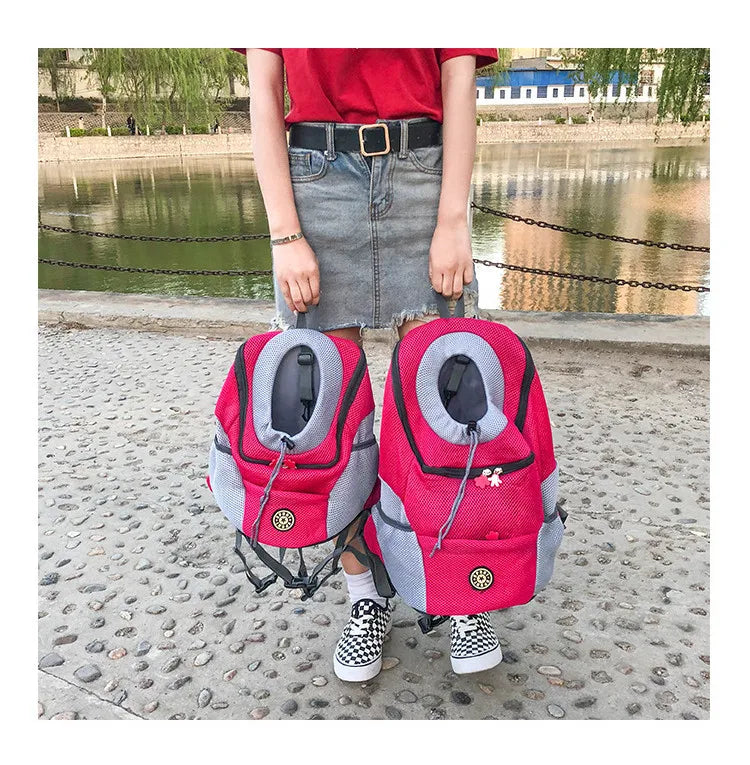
[[170, 130]]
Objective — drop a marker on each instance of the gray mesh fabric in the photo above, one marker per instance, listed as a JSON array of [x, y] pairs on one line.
[[331, 377], [548, 542], [549, 493], [402, 554], [226, 481], [350, 492], [481, 353]]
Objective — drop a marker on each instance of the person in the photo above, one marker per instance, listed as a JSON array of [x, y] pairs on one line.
[[216, 126], [369, 217], [130, 122]]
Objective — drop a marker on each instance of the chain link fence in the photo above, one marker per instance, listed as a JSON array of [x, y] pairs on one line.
[[485, 262]]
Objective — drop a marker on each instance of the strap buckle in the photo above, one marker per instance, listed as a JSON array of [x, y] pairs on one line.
[[386, 134]]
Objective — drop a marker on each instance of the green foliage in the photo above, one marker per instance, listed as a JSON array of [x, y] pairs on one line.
[[173, 129], [560, 120], [119, 131], [75, 132], [498, 70], [52, 61], [684, 79], [97, 131], [167, 85], [578, 119], [198, 129]]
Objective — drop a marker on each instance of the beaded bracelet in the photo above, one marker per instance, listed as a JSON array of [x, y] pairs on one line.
[[285, 239]]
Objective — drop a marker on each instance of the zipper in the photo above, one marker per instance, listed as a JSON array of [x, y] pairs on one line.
[[349, 395], [450, 472]]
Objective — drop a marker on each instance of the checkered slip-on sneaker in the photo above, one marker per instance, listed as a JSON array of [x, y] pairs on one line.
[[474, 644], [359, 652]]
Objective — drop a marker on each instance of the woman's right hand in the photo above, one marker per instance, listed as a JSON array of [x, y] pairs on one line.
[[297, 274]]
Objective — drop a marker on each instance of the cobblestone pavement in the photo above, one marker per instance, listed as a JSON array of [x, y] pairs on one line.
[[144, 611]]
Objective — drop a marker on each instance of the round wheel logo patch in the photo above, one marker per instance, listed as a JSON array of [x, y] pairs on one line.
[[480, 578], [283, 519]]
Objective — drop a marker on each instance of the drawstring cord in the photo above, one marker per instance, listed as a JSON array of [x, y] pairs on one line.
[[267, 490], [446, 527]]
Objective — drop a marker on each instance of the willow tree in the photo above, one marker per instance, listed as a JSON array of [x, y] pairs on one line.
[[681, 91], [52, 61], [498, 70], [162, 86], [105, 64]]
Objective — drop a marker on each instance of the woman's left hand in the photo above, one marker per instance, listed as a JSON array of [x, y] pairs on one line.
[[451, 265]]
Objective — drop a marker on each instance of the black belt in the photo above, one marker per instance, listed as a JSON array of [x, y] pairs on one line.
[[369, 140]]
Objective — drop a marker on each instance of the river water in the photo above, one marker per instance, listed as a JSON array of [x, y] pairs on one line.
[[634, 190]]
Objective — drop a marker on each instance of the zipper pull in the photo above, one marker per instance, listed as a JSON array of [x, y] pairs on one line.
[[288, 441], [472, 426]]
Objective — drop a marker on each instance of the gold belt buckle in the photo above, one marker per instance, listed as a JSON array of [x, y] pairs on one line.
[[362, 128]]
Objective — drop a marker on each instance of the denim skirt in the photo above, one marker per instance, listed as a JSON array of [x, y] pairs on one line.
[[369, 221]]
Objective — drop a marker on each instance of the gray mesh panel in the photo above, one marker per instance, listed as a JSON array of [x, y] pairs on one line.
[[402, 556], [264, 373], [355, 484], [480, 352], [392, 506], [365, 429], [548, 542], [226, 481], [549, 493]]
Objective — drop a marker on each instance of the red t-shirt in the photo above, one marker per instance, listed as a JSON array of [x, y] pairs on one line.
[[362, 85]]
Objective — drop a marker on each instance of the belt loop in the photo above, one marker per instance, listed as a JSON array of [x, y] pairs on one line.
[[404, 144], [330, 152]]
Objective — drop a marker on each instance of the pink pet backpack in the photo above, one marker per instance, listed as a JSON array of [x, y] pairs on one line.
[[468, 519], [294, 460]]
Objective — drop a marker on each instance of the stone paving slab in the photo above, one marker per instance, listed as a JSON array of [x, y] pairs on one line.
[[143, 611]]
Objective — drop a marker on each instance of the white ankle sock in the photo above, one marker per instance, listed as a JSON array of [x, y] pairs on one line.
[[363, 586]]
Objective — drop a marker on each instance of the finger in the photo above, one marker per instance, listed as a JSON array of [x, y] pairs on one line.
[[305, 291], [299, 303], [436, 280], [469, 274], [458, 284], [287, 294], [447, 285], [315, 287]]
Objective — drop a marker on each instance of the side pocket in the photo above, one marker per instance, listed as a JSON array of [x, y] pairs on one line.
[[226, 481], [353, 487], [402, 554], [548, 543]]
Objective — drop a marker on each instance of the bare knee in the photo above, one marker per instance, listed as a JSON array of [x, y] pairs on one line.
[[349, 333], [407, 326]]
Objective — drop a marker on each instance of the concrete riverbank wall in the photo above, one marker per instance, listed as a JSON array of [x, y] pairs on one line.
[[237, 319], [57, 148]]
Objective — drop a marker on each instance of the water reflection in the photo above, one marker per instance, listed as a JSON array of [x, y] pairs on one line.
[[638, 190]]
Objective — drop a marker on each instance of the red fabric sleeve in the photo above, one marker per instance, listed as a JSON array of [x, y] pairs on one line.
[[484, 55], [243, 51]]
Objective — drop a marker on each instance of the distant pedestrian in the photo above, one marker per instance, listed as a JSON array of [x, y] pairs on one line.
[[216, 126], [80, 123], [131, 124]]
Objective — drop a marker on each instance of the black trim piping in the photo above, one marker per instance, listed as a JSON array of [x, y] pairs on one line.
[[391, 521], [364, 445], [450, 472], [528, 378], [221, 447]]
